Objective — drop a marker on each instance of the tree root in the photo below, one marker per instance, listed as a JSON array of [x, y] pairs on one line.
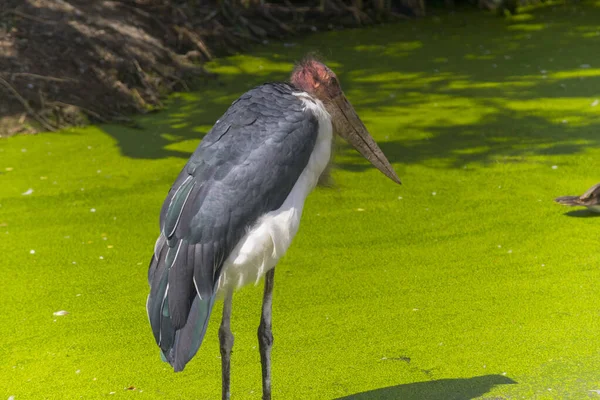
[[43, 121]]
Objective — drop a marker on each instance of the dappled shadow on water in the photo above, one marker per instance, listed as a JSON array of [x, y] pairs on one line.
[[441, 389], [463, 89], [484, 143]]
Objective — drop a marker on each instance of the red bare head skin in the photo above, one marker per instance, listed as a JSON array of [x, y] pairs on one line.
[[313, 77], [316, 79]]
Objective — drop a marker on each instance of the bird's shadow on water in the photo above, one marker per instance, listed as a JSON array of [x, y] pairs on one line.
[[150, 142], [582, 214], [441, 389]]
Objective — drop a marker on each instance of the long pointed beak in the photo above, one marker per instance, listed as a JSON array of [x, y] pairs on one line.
[[348, 125]]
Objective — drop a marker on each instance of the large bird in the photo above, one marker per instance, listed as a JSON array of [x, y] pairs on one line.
[[590, 199], [236, 206]]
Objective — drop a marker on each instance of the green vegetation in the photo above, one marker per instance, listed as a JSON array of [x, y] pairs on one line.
[[466, 281]]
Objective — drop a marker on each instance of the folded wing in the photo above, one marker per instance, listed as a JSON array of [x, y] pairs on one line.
[[245, 167]]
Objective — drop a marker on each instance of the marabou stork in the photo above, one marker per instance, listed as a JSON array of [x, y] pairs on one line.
[[590, 199], [236, 205]]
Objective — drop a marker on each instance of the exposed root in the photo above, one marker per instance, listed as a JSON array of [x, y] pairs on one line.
[[105, 59], [43, 121]]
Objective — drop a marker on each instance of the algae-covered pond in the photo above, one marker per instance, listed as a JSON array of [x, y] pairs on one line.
[[465, 282]]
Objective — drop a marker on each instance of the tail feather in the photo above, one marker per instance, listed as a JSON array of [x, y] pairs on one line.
[[181, 285], [166, 333], [189, 338], [160, 251], [158, 286], [568, 200], [178, 328]]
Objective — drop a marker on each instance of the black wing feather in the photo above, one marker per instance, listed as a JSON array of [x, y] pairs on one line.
[[244, 167]]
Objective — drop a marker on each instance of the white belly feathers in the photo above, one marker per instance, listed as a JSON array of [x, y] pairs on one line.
[[260, 249]]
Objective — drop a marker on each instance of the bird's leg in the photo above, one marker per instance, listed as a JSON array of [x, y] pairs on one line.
[[226, 342], [265, 336]]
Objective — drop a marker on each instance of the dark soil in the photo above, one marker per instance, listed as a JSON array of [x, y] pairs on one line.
[[68, 62]]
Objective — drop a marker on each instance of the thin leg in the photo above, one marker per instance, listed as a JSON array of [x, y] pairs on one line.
[[265, 336], [226, 342]]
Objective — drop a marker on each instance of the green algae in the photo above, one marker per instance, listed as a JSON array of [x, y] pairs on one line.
[[465, 282]]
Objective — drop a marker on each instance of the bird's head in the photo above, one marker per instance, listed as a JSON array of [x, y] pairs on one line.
[[316, 79]]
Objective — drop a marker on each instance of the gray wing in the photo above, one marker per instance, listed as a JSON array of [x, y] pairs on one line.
[[592, 196], [244, 167]]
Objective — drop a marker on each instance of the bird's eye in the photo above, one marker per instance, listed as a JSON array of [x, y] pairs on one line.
[[333, 81]]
